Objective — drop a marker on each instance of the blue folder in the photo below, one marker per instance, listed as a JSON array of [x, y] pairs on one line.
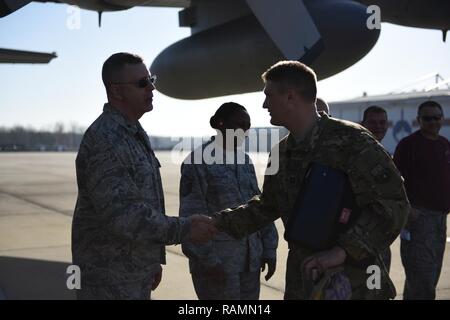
[[324, 208]]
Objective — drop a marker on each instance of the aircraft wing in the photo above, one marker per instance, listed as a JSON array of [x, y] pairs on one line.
[[9, 6], [19, 56], [285, 20]]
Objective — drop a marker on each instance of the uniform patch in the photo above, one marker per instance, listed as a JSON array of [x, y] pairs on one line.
[[345, 215]]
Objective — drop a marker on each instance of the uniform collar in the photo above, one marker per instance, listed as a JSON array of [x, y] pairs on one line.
[[121, 119], [311, 138]]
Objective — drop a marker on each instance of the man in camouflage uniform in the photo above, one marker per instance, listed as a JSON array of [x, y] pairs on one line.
[[290, 89], [119, 228], [375, 119], [225, 268]]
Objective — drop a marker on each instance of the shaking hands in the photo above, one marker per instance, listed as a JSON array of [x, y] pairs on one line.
[[202, 229]]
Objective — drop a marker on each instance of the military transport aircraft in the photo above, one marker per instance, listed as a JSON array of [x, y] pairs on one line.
[[233, 41]]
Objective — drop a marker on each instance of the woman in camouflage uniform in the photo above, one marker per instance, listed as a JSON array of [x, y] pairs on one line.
[[225, 268]]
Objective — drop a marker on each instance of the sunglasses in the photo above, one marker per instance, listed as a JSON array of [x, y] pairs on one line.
[[142, 83], [431, 118]]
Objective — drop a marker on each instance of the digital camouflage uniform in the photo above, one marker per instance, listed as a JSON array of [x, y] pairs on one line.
[[119, 228], [422, 253], [209, 188], [376, 184]]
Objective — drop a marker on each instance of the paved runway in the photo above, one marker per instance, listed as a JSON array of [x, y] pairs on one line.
[[37, 197]]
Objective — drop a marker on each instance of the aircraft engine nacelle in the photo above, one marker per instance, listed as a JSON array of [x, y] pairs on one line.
[[230, 58]]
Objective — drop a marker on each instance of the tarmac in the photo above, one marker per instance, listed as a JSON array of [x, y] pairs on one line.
[[37, 197]]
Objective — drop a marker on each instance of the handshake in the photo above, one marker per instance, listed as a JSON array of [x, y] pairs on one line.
[[202, 229]]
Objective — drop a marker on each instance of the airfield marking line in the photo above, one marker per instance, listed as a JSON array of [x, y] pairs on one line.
[[37, 194], [37, 184], [20, 197], [34, 248], [12, 214], [48, 173]]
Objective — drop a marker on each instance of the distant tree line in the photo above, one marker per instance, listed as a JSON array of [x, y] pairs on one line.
[[59, 138]]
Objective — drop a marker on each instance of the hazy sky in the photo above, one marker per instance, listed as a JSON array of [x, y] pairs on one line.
[[69, 89]]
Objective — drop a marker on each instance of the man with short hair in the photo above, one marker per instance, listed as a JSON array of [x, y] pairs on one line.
[[375, 120], [423, 158], [290, 89], [119, 227]]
